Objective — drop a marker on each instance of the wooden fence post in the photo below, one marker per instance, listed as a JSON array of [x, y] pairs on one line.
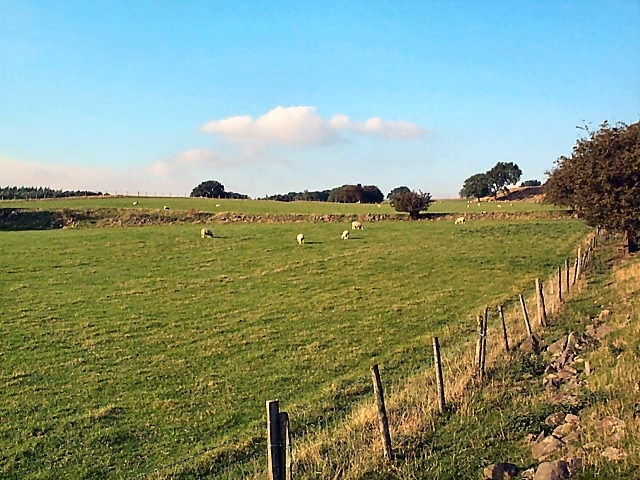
[[383, 422], [483, 357], [286, 453], [479, 344], [578, 264], [560, 284], [438, 365], [567, 269], [542, 311], [526, 316], [274, 442], [504, 328]]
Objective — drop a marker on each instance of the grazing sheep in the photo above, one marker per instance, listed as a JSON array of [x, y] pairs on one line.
[[460, 220], [205, 232], [356, 225], [166, 207], [135, 203], [217, 205], [345, 235], [499, 206], [300, 238]]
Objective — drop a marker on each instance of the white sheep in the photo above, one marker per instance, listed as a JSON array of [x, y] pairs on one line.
[[355, 225], [217, 205], [460, 220], [166, 207], [345, 235], [205, 232], [300, 238], [135, 203]]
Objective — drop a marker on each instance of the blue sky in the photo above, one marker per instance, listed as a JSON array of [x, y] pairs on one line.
[[270, 97]]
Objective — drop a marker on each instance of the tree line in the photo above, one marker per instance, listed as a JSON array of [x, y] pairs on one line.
[[24, 193]]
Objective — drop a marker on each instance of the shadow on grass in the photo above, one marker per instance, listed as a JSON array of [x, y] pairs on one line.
[[12, 219]]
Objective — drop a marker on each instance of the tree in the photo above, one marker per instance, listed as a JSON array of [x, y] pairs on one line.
[[412, 202], [396, 191], [601, 179], [371, 194], [476, 186], [356, 193], [209, 189], [501, 175]]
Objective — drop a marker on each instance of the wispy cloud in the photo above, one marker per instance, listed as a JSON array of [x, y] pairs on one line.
[[302, 126], [82, 177]]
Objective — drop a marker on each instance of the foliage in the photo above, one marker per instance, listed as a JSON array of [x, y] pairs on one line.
[[307, 196], [214, 189], [531, 183], [476, 186], [501, 175], [492, 182], [12, 193], [601, 179], [412, 202], [396, 191], [356, 194]]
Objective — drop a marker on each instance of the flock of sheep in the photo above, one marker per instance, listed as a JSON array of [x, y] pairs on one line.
[[355, 225]]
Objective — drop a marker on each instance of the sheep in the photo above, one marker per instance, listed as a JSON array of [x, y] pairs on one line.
[[217, 205], [166, 207], [135, 203], [300, 238], [345, 235], [205, 232], [355, 225], [460, 220]]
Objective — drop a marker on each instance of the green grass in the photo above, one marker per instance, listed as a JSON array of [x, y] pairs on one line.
[[262, 207], [124, 349]]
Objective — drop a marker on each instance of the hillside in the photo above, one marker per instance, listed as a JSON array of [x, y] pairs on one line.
[[573, 406]]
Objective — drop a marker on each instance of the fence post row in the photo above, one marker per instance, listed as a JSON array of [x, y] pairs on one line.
[[383, 422], [278, 433]]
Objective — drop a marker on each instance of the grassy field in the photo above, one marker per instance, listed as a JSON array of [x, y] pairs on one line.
[[125, 349], [261, 207]]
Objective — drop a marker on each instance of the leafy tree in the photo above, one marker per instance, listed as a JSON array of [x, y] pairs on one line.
[[209, 189], [476, 186], [371, 194], [531, 183], [356, 193], [412, 202], [396, 191], [501, 175], [601, 179]]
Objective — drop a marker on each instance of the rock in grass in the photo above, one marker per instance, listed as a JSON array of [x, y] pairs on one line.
[[613, 454], [552, 471], [546, 447], [500, 471], [531, 345]]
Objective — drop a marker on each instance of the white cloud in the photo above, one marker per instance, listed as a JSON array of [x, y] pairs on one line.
[[302, 126]]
